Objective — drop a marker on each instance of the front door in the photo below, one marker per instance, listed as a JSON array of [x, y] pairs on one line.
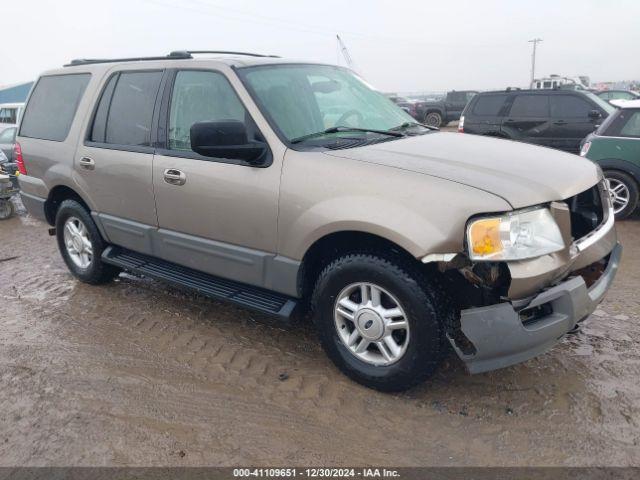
[[114, 163], [570, 121], [215, 215]]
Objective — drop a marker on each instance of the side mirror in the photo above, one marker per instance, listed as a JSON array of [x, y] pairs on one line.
[[595, 114], [226, 139]]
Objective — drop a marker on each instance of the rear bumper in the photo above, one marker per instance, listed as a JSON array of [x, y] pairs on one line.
[[34, 205], [499, 336]]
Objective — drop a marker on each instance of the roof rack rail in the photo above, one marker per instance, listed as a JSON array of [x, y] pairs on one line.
[[89, 61], [222, 52], [175, 55]]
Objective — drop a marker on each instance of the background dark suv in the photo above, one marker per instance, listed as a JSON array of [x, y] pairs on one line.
[[551, 118]]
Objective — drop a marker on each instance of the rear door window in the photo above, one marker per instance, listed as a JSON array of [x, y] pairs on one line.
[[52, 106], [130, 110], [530, 106], [569, 106], [489, 105]]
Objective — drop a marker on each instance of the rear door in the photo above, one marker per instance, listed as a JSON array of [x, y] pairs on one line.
[[114, 162], [528, 119], [570, 121], [221, 218]]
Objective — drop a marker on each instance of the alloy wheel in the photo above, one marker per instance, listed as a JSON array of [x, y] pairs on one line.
[[77, 242], [371, 323], [619, 193]]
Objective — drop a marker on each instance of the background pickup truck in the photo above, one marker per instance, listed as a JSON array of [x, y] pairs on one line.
[[437, 114]]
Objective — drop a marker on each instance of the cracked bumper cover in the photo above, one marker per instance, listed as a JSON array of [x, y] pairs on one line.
[[500, 338]]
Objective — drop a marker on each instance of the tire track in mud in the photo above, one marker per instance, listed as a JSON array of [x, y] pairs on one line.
[[213, 349]]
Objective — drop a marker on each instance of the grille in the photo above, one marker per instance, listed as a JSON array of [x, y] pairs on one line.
[[587, 211]]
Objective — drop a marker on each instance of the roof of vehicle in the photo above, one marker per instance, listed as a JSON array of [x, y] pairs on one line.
[[181, 59], [537, 91], [626, 103], [615, 90]]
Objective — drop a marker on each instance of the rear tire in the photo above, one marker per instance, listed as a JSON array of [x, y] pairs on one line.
[[81, 244], [433, 119], [417, 302], [624, 192]]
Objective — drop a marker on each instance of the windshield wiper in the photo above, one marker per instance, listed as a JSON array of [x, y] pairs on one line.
[[406, 125], [338, 129]]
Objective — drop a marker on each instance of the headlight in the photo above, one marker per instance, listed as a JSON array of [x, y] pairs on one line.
[[514, 236]]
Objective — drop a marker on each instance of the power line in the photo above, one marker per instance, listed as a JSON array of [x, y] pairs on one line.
[[242, 16]]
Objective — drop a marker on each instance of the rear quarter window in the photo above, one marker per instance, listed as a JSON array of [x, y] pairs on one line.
[[52, 106], [489, 105], [626, 123]]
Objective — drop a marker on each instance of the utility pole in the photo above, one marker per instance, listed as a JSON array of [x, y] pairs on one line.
[[535, 42]]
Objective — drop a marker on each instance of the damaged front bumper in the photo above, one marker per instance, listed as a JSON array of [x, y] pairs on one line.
[[501, 335]]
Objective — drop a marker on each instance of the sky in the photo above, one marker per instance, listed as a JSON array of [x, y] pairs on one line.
[[397, 46]]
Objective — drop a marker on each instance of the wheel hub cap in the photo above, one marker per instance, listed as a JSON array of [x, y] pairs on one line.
[[371, 323]]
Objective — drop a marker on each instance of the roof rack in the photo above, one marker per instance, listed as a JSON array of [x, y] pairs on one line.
[[175, 55], [221, 52]]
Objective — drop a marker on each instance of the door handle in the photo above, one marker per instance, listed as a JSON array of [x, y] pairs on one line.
[[560, 122], [174, 176], [87, 163]]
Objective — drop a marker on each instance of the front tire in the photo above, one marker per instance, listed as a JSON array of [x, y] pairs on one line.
[[379, 321], [81, 244], [624, 193]]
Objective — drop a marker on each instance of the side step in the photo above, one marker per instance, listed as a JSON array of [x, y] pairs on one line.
[[254, 298]]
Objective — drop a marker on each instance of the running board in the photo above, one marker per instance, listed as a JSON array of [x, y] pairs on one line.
[[254, 298]]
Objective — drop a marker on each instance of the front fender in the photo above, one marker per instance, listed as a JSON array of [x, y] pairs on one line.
[[322, 194]]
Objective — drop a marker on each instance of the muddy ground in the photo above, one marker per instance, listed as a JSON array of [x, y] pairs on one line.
[[136, 373]]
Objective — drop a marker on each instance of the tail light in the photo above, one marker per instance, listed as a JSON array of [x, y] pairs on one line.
[[461, 125], [585, 149], [17, 157]]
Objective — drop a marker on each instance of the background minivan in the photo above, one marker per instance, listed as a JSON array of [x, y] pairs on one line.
[[551, 118]]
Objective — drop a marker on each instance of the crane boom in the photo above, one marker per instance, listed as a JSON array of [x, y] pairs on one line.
[[345, 53]]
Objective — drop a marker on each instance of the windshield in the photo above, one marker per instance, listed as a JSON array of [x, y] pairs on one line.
[[306, 99], [606, 106]]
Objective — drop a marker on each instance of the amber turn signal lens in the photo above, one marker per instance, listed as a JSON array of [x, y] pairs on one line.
[[485, 237]]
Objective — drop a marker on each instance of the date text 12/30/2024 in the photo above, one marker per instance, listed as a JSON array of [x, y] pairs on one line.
[[315, 473]]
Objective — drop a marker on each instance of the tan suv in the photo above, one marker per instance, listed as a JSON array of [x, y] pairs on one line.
[[292, 187]]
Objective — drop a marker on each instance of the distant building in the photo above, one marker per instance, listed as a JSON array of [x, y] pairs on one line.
[[16, 93]]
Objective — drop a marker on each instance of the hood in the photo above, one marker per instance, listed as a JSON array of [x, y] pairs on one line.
[[520, 173]]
